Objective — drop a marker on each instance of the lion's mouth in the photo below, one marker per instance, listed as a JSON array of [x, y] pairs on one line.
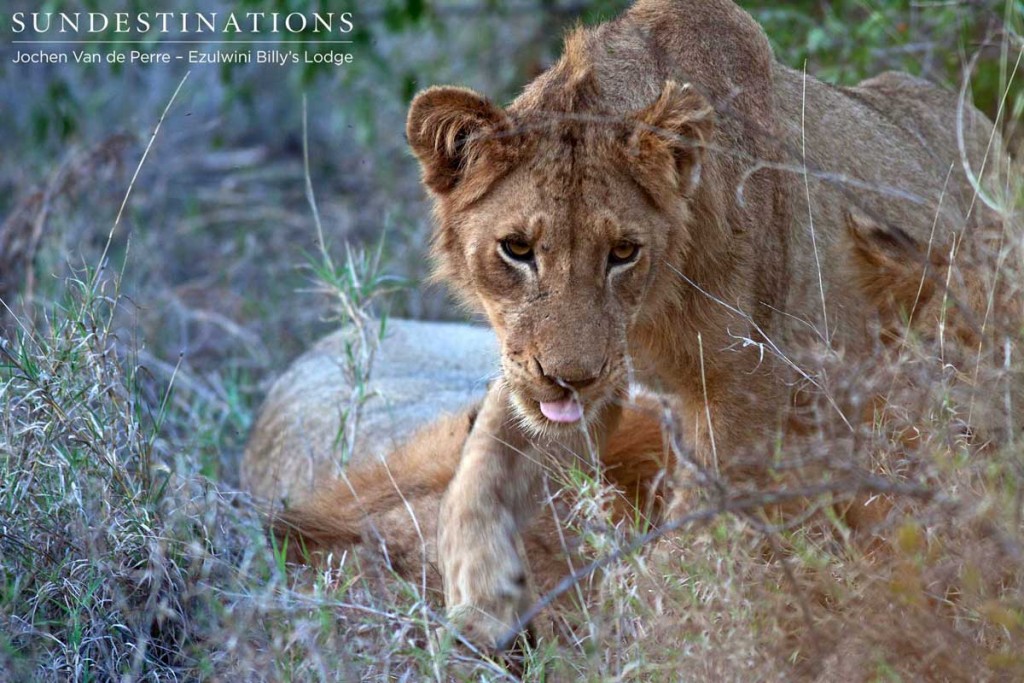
[[547, 408], [545, 413], [567, 410]]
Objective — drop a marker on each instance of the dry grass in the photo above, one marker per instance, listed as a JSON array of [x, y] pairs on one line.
[[123, 554], [121, 559]]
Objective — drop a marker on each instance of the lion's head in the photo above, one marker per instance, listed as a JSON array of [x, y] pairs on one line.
[[558, 224]]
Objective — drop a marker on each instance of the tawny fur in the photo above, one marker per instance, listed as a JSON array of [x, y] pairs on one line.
[[389, 509], [674, 129], [671, 128]]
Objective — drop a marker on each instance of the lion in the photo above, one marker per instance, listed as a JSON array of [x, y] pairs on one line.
[[386, 505], [664, 209]]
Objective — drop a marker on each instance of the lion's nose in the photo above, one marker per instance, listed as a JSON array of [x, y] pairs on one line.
[[575, 378]]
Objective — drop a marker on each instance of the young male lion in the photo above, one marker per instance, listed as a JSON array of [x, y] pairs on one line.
[[665, 205], [386, 509]]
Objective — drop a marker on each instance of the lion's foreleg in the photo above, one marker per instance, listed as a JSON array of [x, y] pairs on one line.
[[493, 496], [729, 421]]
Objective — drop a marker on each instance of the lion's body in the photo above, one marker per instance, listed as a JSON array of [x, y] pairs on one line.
[[739, 261]]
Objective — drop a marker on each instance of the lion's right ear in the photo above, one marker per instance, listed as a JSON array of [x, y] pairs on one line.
[[449, 130]]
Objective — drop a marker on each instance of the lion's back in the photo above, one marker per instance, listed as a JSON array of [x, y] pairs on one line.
[[888, 147], [938, 119]]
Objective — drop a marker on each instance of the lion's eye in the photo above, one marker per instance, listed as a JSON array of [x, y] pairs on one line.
[[623, 252], [517, 249]]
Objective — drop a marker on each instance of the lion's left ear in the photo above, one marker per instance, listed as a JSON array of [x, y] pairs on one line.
[[666, 145]]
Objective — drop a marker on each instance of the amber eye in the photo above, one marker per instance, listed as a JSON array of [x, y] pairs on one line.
[[517, 249], [623, 252]]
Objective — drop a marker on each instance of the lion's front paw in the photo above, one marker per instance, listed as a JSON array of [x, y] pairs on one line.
[[481, 628], [486, 594], [684, 495]]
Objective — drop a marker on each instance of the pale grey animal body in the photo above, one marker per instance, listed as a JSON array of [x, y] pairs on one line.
[[420, 370]]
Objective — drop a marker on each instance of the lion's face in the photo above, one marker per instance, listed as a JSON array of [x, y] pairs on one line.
[[558, 232], [560, 263]]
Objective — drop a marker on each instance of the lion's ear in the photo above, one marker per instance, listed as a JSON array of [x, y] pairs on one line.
[[667, 142], [888, 265], [879, 249], [449, 129]]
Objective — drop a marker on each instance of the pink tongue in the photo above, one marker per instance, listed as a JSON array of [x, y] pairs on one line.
[[562, 411]]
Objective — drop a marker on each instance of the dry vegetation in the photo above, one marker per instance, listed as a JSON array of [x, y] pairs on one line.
[[125, 554]]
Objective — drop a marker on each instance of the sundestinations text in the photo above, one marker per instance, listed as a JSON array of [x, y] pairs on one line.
[[182, 22]]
